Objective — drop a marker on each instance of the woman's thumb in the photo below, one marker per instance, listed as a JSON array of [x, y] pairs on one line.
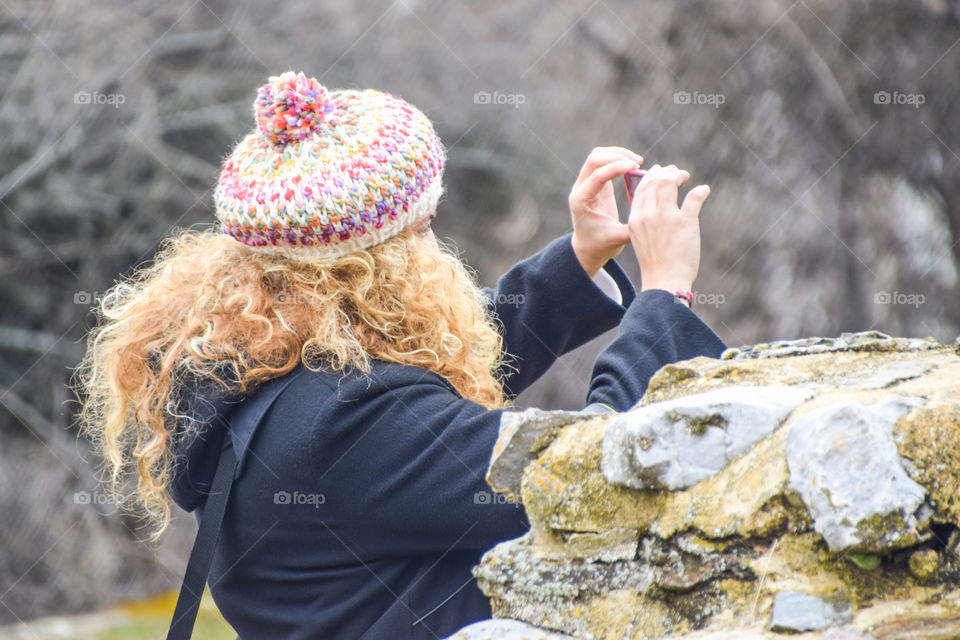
[[694, 200]]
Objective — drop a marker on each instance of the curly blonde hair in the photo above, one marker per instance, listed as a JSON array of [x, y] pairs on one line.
[[212, 308]]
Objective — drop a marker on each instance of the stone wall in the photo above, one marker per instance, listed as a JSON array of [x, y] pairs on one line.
[[805, 487]]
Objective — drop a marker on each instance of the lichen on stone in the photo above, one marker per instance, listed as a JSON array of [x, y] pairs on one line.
[[929, 437]]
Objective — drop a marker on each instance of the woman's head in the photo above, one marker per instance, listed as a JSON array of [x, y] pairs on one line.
[[249, 302]]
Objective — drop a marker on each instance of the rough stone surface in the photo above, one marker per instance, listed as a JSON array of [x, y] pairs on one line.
[[677, 443], [706, 562], [861, 341], [845, 466], [927, 439], [565, 489], [504, 630], [797, 611], [892, 374], [522, 435]]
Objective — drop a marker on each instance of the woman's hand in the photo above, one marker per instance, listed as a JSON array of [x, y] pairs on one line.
[[598, 234], [665, 237]]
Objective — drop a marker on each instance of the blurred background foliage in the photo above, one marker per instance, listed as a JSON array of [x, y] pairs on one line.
[[827, 131]]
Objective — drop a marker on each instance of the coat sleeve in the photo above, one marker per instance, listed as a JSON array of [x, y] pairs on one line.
[[656, 330], [548, 305]]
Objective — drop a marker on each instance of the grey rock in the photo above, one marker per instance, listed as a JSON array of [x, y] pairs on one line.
[[891, 374], [845, 466], [795, 611], [859, 341], [505, 630], [612, 545], [514, 564], [523, 434], [677, 443]]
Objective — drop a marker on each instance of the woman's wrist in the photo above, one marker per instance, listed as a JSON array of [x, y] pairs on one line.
[[589, 260], [681, 295], [670, 285]]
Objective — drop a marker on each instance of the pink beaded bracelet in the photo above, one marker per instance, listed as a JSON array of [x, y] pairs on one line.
[[686, 296]]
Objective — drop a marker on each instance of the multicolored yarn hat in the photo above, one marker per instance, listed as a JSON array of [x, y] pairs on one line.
[[328, 173]]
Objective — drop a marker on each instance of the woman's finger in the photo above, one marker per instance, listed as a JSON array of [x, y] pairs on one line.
[[694, 201], [644, 199], [592, 186], [604, 155], [668, 186]]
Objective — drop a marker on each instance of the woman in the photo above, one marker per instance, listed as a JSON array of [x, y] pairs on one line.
[[356, 369]]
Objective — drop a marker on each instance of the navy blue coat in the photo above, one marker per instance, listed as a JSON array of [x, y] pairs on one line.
[[359, 505]]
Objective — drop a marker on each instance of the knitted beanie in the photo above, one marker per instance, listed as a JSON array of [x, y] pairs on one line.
[[327, 173]]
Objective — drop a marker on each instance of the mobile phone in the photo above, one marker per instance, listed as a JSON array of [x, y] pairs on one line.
[[631, 179]]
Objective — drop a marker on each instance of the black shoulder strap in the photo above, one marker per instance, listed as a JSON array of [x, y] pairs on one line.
[[198, 566]]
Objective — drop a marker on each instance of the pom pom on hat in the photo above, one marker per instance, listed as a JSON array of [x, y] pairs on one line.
[[328, 172], [290, 107]]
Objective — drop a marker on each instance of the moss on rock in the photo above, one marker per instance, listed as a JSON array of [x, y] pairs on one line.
[[930, 438]]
